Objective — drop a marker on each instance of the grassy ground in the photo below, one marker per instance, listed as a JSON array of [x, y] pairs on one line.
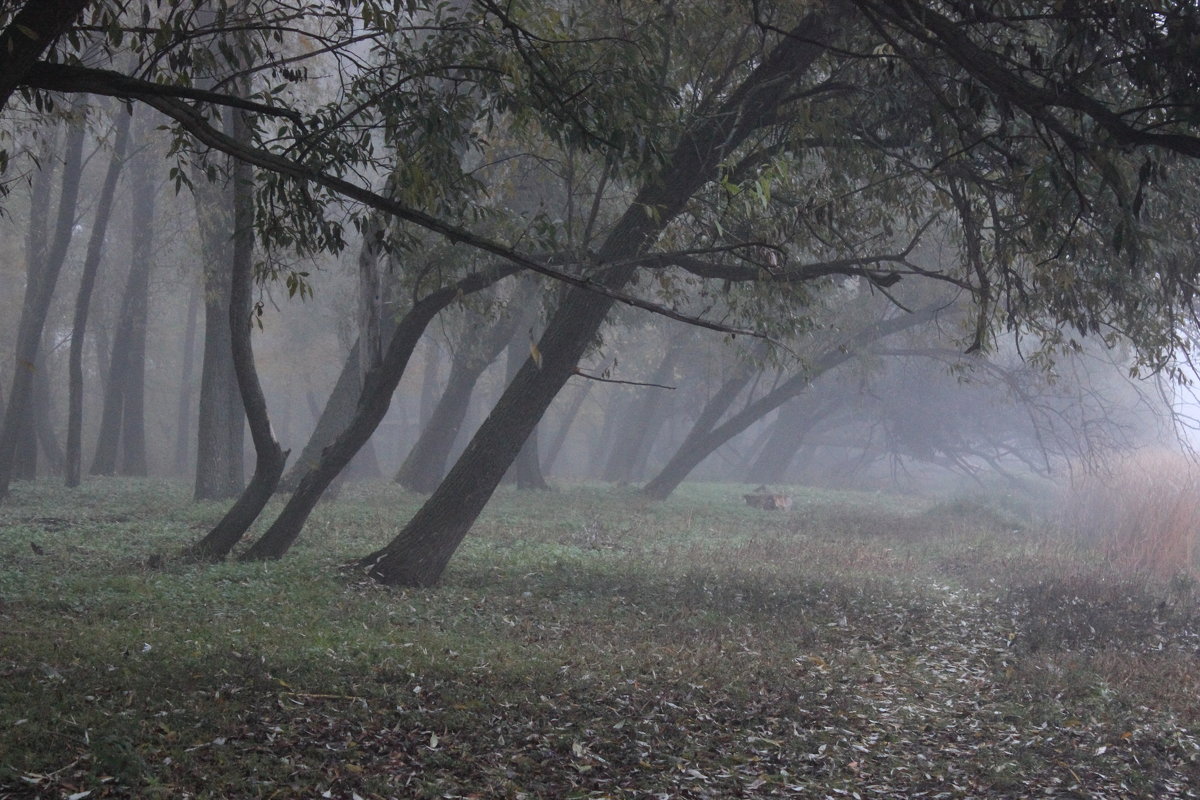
[[588, 644]]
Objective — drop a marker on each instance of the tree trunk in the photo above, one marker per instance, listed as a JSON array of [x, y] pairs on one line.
[[426, 462], [220, 430], [43, 408], [133, 428], [270, 457], [183, 415], [526, 470], [44, 268], [83, 301], [704, 439], [786, 436], [419, 553], [378, 385], [120, 419]]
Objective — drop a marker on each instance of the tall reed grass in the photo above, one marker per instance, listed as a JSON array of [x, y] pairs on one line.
[[1142, 514]]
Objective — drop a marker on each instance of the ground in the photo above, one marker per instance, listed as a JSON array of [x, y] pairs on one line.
[[589, 643]]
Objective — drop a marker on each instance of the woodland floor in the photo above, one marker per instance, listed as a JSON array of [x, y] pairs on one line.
[[586, 643]]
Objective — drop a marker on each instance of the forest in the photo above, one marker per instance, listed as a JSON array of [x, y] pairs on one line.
[[580, 346]]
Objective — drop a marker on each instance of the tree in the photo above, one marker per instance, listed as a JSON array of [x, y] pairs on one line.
[[83, 301]]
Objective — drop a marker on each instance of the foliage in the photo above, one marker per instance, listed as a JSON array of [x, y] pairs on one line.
[[587, 644]]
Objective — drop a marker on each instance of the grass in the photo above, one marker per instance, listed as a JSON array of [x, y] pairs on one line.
[[588, 643]]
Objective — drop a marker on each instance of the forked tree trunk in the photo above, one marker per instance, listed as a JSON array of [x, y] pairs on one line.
[[44, 268], [270, 457], [83, 301]]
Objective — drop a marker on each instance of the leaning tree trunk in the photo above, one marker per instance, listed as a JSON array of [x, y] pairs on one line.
[[378, 385], [785, 438], [704, 439], [44, 268], [419, 553], [83, 301], [425, 465], [270, 457]]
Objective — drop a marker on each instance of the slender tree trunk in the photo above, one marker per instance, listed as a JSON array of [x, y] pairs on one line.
[[270, 457], [44, 269], [137, 292], [120, 419], [43, 407], [183, 414], [83, 301], [378, 385], [526, 470], [221, 425], [429, 381]]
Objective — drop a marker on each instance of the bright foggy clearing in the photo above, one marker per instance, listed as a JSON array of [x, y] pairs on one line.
[[558, 399]]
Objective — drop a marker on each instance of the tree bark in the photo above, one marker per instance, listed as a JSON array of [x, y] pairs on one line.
[[269, 456], [419, 554], [83, 301], [133, 417], [43, 272], [43, 412]]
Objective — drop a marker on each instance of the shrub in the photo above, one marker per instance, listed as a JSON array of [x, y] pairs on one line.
[[1142, 514]]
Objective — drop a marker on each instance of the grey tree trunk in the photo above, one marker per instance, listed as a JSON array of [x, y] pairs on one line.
[[183, 416], [83, 301], [642, 422], [122, 426], [220, 430]]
